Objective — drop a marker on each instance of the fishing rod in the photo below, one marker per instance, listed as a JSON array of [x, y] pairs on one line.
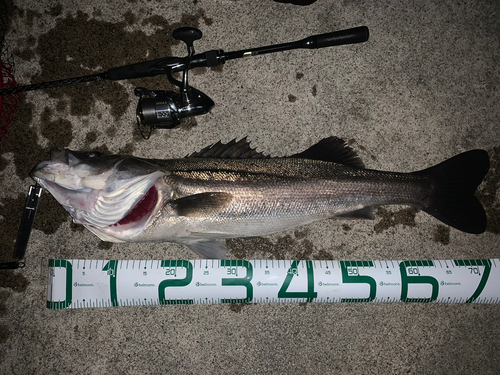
[[163, 109]]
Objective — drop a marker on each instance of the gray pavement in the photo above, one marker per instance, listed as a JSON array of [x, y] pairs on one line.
[[423, 88]]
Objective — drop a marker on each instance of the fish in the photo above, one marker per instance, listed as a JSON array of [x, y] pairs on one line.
[[230, 190]]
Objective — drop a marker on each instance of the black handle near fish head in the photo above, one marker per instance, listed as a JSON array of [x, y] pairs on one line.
[[23, 234]]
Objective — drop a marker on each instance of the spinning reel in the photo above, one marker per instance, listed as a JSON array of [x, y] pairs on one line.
[[158, 109], [165, 109]]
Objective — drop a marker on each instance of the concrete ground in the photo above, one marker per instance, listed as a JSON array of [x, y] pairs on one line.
[[423, 88]]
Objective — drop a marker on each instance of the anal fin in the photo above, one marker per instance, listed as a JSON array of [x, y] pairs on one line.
[[209, 249]]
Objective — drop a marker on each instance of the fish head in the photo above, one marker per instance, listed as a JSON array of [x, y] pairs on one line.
[[101, 191]]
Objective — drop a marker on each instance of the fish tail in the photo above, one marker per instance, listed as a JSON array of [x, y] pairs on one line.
[[454, 184]]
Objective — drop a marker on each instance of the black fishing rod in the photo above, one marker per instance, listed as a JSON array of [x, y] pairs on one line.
[[165, 109]]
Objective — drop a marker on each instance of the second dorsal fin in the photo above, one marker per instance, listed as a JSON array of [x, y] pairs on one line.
[[334, 150]]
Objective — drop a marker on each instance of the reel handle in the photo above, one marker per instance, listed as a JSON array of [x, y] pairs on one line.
[[158, 66], [188, 35]]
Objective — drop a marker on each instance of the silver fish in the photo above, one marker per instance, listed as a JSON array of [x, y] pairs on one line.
[[230, 190]]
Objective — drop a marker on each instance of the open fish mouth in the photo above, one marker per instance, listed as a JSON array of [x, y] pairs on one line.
[[118, 192], [142, 208], [133, 202]]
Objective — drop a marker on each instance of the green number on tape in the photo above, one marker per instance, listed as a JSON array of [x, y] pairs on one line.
[[111, 269], [350, 275], [410, 274], [69, 284], [241, 281], [292, 271], [473, 264], [175, 283]]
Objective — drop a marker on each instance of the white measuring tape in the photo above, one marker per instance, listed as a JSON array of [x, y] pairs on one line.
[[104, 283]]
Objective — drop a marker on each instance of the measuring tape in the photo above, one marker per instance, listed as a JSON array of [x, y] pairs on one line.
[[105, 283]]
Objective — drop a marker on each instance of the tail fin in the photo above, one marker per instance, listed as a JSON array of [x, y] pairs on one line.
[[456, 181]]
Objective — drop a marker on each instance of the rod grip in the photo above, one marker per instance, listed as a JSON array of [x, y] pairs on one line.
[[143, 69], [337, 38]]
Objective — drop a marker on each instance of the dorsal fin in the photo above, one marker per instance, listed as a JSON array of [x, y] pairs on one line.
[[331, 149], [230, 150], [334, 150]]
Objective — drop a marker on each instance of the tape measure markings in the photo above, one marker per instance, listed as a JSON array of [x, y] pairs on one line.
[[102, 283]]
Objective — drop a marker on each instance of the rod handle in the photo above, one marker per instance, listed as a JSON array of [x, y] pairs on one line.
[[337, 38]]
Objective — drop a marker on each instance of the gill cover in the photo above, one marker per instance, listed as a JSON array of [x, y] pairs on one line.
[[96, 189]]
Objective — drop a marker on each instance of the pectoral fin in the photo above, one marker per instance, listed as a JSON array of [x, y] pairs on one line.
[[203, 204]]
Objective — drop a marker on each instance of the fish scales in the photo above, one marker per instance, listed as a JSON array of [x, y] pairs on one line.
[[297, 178]]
